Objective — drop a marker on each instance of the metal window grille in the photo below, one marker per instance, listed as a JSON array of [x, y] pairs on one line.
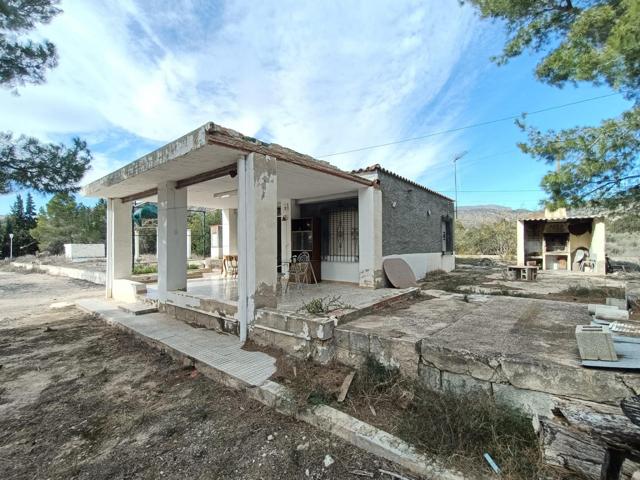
[[341, 236]]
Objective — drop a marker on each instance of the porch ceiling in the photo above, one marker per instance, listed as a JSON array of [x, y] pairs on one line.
[[294, 182]]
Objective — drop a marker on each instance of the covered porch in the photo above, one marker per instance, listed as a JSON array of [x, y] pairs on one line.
[[267, 193]]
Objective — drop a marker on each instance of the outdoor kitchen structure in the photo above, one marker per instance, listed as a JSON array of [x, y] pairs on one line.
[[277, 205], [562, 241]]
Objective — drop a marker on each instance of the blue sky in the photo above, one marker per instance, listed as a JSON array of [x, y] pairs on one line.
[[318, 77]]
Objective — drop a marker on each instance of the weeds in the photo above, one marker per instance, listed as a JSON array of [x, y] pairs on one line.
[[147, 268], [324, 305], [594, 292], [459, 427], [143, 269]]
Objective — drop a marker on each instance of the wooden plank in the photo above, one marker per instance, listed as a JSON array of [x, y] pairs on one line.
[[231, 170], [631, 408], [344, 389], [139, 195]]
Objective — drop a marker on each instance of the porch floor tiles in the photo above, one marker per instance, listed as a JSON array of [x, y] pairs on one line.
[[219, 351], [225, 290]]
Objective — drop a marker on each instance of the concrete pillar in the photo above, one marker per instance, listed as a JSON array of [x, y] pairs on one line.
[[172, 239], [286, 213], [257, 236], [520, 242], [230, 231], [598, 246], [119, 231], [216, 242], [188, 243], [136, 245], [370, 237]]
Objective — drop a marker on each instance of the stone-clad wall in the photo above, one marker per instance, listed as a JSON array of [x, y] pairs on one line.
[[408, 227]]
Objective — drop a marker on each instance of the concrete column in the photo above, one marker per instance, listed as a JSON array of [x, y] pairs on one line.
[[136, 245], [230, 231], [520, 242], [216, 242], [286, 213], [172, 239], [119, 231], [598, 246], [257, 236], [370, 237], [188, 243]]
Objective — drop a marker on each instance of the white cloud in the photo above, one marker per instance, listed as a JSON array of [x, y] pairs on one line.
[[318, 77]]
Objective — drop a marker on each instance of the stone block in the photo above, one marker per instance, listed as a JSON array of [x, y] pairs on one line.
[[568, 381], [461, 361], [527, 401], [271, 319], [620, 303], [341, 338], [595, 343], [430, 377], [359, 342], [457, 383], [349, 357], [396, 353]]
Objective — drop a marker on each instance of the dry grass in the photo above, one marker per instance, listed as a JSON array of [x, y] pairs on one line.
[[456, 428]]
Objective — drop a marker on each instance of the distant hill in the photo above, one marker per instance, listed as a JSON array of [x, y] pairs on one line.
[[481, 214]]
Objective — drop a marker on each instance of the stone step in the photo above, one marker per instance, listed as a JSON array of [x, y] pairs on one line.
[[205, 319], [138, 308], [320, 328], [297, 345]]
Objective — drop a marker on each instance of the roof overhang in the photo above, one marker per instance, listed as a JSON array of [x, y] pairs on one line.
[[202, 155]]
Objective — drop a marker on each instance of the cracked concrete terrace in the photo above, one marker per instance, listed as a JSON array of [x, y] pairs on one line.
[[527, 343]]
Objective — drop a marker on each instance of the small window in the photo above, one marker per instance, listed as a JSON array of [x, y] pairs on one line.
[[447, 234], [340, 242]]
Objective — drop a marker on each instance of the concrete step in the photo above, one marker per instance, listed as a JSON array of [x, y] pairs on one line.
[[138, 308], [205, 319], [299, 326], [298, 345]]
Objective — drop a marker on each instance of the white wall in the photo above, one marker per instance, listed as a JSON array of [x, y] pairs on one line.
[[422, 263], [340, 271], [83, 250]]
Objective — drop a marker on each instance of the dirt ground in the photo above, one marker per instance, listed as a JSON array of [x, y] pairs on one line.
[[488, 277], [82, 400]]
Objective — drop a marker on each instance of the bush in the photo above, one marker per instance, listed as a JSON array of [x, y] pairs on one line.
[[497, 238]]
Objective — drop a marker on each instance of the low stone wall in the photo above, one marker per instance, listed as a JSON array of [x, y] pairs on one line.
[[78, 273], [297, 335], [536, 389]]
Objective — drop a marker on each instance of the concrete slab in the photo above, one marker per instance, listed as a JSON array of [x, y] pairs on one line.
[[215, 350], [527, 343]]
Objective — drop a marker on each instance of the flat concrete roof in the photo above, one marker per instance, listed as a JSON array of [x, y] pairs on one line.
[[206, 148]]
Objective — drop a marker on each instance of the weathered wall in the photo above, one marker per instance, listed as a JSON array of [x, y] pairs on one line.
[[408, 227], [84, 250]]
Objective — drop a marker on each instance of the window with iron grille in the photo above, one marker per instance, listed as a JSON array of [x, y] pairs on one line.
[[340, 236]]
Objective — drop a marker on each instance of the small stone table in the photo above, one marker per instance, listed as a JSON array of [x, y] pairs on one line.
[[524, 272]]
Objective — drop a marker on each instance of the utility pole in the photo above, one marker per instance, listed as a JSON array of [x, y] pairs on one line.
[[10, 246], [457, 157]]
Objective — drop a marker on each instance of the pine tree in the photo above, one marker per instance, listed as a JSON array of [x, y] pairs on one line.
[[30, 212], [21, 224], [25, 162], [595, 41]]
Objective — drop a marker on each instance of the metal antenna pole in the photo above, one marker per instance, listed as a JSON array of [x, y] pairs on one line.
[[457, 157]]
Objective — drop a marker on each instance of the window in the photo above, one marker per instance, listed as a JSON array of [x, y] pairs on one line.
[[340, 236], [447, 234]]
